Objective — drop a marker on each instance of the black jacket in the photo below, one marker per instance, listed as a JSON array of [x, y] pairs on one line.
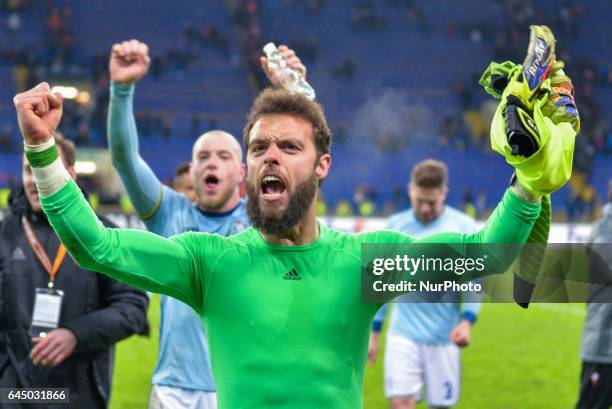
[[97, 309]]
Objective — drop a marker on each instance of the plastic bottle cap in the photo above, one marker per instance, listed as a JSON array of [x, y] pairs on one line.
[[269, 48]]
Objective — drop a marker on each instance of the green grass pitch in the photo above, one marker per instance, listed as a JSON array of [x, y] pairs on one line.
[[518, 360]]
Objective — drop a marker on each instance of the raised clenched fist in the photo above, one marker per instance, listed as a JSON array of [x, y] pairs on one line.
[[129, 61], [38, 112]]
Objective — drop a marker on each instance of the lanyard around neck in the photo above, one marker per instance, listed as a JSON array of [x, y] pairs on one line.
[[41, 254]]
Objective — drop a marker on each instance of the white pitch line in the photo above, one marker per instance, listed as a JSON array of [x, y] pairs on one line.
[[579, 311]]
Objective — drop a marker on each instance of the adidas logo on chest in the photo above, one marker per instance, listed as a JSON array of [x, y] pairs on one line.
[[292, 275]]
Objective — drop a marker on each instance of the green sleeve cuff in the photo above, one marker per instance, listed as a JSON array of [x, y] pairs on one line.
[[43, 158]]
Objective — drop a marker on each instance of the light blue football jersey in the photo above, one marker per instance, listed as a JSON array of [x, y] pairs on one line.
[[183, 359], [183, 349], [424, 322]]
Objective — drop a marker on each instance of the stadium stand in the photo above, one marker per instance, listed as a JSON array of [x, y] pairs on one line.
[[398, 80]]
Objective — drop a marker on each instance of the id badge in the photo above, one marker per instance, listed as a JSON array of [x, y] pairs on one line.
[[46, 314]]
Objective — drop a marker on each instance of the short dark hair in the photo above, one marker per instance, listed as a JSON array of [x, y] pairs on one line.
[[430, 174], [181, 169], [279, 101], [67, 147]]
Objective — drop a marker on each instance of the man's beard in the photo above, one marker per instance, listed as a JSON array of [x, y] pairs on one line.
[[299, 202]]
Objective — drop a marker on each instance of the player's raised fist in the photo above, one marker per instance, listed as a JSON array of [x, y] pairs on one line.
[[129, 61], [38, 112]]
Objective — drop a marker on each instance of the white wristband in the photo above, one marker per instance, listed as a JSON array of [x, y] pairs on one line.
[[39, 148], [51, 178]]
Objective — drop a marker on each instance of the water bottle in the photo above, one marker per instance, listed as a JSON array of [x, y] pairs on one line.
[[289, 78]]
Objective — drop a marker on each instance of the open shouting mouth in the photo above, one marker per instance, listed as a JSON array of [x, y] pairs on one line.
[[272, 188], [211, 182]]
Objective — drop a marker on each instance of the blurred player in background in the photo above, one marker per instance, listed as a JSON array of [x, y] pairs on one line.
[[183, 182], [596, 348], [212, 180], [423, 340]]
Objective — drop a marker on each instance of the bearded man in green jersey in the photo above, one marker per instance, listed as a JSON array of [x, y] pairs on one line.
[[281, 300]]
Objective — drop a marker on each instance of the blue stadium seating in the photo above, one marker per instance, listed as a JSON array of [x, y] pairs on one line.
[[423, 67], [401, 59]]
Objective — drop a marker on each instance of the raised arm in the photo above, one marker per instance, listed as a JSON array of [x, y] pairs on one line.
[[135, 257], [503, 235], [129, 61], [497, 244]]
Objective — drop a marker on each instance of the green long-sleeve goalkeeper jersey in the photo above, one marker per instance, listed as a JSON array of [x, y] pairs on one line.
[[286, 325]]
